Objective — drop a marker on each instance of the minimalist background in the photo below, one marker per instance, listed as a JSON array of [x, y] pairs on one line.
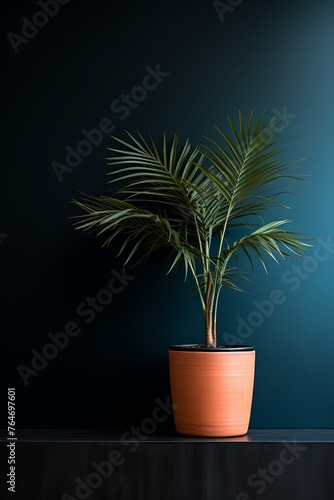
[[65, 78]]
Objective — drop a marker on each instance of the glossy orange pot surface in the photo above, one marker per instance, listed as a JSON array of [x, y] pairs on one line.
[[212, 391]]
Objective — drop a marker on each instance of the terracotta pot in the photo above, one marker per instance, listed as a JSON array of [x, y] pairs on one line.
[[212, 389]]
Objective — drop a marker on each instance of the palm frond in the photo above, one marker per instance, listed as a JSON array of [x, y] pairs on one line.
[[167, 195], [272, 240], [142, 230]]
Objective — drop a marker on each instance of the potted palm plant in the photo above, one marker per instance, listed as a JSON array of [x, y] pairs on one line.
[[193, 202]]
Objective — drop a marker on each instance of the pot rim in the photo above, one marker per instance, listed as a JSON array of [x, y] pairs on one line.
[[220, 348]]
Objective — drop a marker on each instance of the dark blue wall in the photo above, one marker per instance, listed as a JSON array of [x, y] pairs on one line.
[[67, 77]]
